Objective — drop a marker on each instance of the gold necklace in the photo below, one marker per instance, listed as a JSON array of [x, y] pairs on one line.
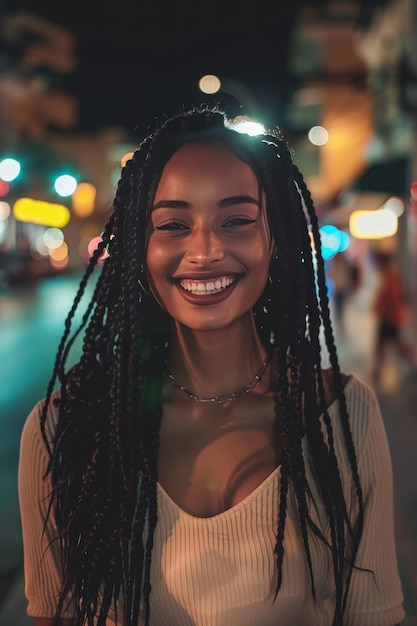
[[227, 397]]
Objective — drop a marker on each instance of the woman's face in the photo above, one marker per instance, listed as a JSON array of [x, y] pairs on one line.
[[209, 250]]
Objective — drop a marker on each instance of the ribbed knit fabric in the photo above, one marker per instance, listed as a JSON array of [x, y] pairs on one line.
[[219, 571]]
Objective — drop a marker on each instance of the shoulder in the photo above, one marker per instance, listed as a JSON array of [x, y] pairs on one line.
[[353, 387], [365, 419], [34, 457], [328, 384], [32, 426]]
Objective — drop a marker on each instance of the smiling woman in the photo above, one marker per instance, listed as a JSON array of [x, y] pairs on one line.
[[210, 242], [197, 466]]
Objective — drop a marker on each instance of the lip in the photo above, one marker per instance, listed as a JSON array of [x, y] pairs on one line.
[[207, 299]]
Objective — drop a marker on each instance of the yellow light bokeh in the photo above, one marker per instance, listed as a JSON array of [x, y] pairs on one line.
[[60, 253], [83, 199], [373, 224], [41, 212]]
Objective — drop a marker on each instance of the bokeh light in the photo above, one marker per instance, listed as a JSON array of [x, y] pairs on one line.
[[92, 247], [83, 200], [333, 240], [41, 212], [373, 224], [395, 204], [9, 169], [4, 210], [209, 83], [53, 238], [59, 264], [65, 185], [39, 248], [344, 241], [60, 253], [4, 188], [318, 135]]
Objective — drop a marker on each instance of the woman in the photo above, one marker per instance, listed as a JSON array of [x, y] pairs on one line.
[[198, 466]]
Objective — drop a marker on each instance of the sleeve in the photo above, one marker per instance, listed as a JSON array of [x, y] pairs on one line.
[[375, 597], [41, 550]]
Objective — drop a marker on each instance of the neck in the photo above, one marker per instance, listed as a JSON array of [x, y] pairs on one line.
[[216, 363]]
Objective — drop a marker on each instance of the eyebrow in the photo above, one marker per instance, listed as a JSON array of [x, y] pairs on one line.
[[225, 202]]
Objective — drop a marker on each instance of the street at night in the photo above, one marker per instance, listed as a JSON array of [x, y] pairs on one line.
[[331, 86]]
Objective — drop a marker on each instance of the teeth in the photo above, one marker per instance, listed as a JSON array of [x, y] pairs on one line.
[[208, 287]]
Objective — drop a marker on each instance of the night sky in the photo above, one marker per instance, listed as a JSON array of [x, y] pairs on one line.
[[136, 59]]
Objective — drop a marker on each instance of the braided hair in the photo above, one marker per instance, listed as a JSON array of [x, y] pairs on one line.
[[110, 403]]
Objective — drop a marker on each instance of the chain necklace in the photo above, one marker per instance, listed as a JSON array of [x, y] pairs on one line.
[[227, 397]]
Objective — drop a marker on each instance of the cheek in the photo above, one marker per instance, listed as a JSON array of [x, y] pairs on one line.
[[156, 257], [155, 270], [161, 261], [260, 253]]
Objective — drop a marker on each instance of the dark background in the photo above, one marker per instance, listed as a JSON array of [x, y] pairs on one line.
[[136, 59]]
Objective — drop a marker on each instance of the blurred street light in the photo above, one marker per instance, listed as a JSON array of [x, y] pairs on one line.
[[9, 169]]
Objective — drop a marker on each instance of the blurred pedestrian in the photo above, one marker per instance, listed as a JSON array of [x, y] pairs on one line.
[[198, 466], [344, 276], [392, 312]]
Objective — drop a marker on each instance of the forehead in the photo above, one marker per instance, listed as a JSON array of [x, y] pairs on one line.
[[196, 163]]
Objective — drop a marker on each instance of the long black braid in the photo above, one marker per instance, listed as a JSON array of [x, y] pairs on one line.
[[103, 458]]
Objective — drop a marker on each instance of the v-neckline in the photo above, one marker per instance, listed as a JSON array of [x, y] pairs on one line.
[[229, 511]]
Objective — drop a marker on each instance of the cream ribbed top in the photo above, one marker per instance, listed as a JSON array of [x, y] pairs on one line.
[[219, 571]]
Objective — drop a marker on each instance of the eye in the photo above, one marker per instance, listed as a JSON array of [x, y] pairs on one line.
[[171, 226], [239, 221]]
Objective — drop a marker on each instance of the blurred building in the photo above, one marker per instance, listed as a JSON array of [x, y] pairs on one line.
[[38, 126], [356, 65], [331, 93], [387, 42]]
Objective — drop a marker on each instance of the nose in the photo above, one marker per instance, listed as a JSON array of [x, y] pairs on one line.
[[205, 247]]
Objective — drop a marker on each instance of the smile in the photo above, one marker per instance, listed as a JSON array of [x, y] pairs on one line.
[[206, 287]]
